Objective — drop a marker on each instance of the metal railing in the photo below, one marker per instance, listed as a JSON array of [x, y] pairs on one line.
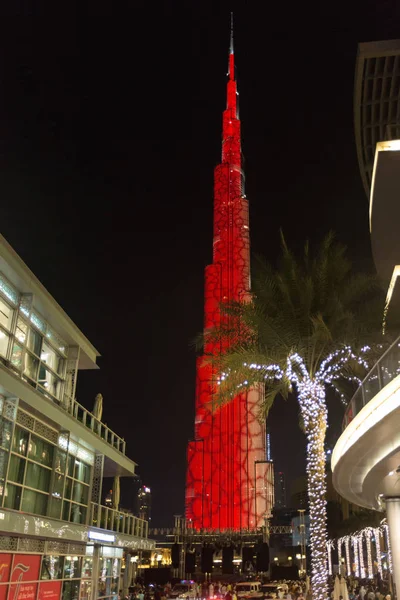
[[384, 370], [119, 521], [84, 416]]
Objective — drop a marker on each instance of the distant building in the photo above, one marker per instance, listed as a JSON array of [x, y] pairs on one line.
[[299, 496], [144, 503], [280, 491], [108, 499]]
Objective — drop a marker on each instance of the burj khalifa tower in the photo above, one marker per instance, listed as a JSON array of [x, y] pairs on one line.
[[229, 483]]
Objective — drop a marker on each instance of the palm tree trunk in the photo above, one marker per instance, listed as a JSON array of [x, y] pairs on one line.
[[312, 402]]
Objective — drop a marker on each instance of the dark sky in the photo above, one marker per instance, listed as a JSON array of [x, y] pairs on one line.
[[110, 121]]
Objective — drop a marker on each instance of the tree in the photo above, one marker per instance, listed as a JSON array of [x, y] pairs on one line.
[[304, 328]]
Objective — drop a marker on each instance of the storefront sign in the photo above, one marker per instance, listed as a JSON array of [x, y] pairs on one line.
[[49, 590], [25, 569], [101, 537]]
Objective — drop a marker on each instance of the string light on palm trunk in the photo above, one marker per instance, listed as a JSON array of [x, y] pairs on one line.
[[361, 555], [377, 535], [330, 546], [354, 541], [348, 560], [386, 529]]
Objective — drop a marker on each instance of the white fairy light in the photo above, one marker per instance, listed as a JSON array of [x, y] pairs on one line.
[[386, 530], [368, 535], [354, 541], [329, 547], [361, 555], [348, 560], [377, 536]]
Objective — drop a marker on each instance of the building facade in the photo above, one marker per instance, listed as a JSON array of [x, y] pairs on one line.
[[280, 490], [366, 458], [56, 539], [229, 479], [144, 503]]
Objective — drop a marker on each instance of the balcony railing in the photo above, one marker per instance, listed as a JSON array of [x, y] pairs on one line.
[[118, 521], [87, 419], [386, 369]]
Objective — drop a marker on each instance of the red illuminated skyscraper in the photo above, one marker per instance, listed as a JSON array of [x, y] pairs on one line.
[[229, 480]]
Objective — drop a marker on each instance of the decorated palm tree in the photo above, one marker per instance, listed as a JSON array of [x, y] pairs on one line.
[[308, 325]]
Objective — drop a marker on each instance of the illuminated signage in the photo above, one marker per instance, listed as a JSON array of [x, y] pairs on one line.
[[101, 537]]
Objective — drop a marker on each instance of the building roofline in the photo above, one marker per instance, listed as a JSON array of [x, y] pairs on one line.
[[26, 281], [377, 49]]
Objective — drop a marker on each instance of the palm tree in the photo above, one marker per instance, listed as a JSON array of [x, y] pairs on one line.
[[301, 331]]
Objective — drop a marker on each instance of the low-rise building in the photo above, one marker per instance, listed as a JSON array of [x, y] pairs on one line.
[[56, 539]]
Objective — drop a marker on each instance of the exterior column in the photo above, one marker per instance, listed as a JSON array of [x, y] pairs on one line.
[[127, 574], [95, 570], [393, 518]]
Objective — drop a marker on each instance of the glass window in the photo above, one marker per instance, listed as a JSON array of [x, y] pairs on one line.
[[51, 358], [3, 471], [55, 507], [50, 382], [68, 488], [71, 463], [41, 451], [21, 331], [4, 339], [60, 461], [87, 566], [5, 433], [104, 587], [20, 441], [72, 567], [66, 507], [6, 314], [86, 590], [52, 567], [16, 469], [58, 485], [82, 471], [31, 366], [34, 341], [80, 492], [16, 356], [78, 514], [106, 567], [70, 590], [34, 502], [12, 496], [37, 477]]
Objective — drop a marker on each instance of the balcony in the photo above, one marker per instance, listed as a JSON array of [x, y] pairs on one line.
[[87, 419], [384, 371], [119, 521]]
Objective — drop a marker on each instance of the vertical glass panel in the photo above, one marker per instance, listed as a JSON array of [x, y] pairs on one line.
[[4, 340], [5, 433], [86, 590], [21, 331], [6, 314], [68, 488], [80, 492], [70, 590], [20, 441], [78, 513], [52, 567], [82, 471], [34, 341], [60, 461], [72, 567], [48, 381], [87, 566], [16, 356], [12, 496], [51, 358], [31, 366], [55, 508], [66, 508], [16, 469], [34, 502], [41, 451], [58, 485], [3, 471], [71, 462], [37, 477]]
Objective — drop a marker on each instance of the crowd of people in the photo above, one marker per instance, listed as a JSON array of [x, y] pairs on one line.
[[352, 588]]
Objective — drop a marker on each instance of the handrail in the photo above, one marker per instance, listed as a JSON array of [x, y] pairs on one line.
[[383, 371], [84, 416], [119, 521]]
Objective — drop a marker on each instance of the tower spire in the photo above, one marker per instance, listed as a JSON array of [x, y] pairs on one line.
[[231, 62]]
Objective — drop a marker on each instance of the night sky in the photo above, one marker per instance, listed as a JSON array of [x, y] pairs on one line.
[[110, 124]]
